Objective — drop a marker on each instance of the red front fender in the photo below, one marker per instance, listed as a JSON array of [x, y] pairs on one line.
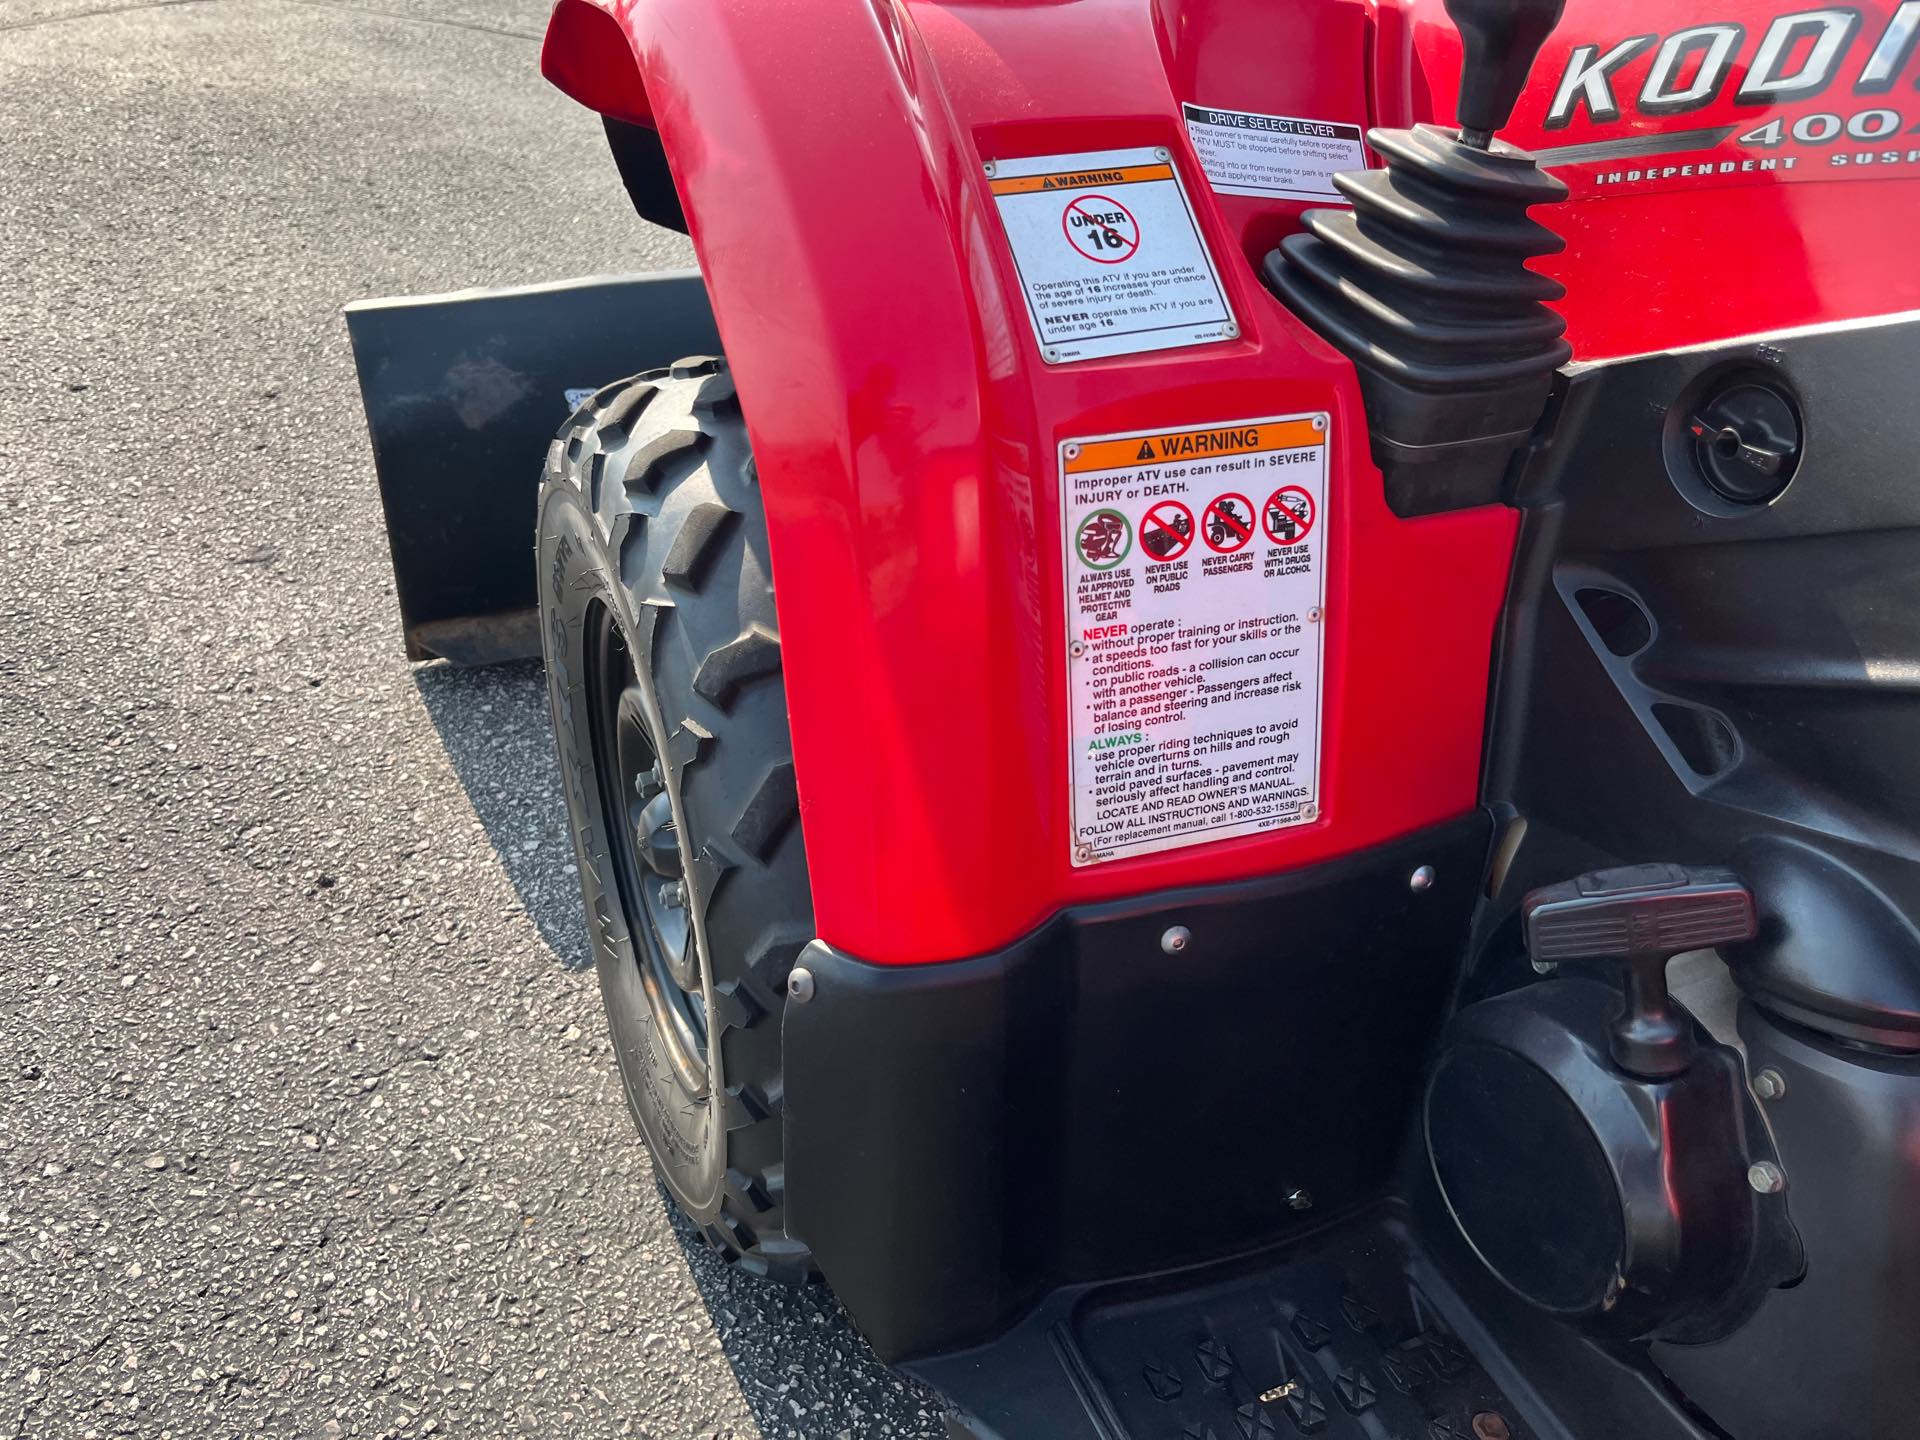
[[587, 57], [829, 159]]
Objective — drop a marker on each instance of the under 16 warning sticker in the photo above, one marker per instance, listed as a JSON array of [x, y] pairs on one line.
[[1110, 258], [1194, 671]]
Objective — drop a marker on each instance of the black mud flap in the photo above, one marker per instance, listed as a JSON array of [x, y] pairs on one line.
[[463, 393]]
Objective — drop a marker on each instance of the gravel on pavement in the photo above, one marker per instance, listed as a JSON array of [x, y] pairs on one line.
[[308, 1122]]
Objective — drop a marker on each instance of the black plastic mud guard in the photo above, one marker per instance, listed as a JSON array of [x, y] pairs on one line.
[[463, 394], [964, 1138]]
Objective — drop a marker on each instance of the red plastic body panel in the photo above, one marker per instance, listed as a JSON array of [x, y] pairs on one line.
[[585, 53], [1678, 258], [829, 159]]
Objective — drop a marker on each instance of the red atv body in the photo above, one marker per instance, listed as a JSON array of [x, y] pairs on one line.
[[868, 306], [1403, 1136]]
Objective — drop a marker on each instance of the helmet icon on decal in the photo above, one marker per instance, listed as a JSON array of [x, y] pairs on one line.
[[1103, 539]]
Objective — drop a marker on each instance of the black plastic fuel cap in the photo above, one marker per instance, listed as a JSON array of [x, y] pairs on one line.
[[1746, 441]]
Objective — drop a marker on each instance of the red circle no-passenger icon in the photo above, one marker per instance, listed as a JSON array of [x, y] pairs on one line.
[[1227, 523]]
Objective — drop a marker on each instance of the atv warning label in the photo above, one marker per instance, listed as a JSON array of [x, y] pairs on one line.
[[1246, 153], [1110, 258], [1194, 670]]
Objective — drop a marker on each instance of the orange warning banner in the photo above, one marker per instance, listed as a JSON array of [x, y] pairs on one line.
[[1081, 179], [1173, 446]]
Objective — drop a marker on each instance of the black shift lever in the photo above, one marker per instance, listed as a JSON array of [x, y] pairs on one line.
[[1499, 40], [1424, 283]]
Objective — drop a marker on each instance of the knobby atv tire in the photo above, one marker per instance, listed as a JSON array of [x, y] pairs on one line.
[[650, 517]]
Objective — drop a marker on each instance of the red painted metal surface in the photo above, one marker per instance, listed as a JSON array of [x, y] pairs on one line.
[[829, 158]]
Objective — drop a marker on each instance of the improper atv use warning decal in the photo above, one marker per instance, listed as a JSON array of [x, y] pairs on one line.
[[1194, 670], [1109, 254]]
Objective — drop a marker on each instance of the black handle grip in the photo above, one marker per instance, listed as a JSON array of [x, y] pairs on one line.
[[1640, 916], [1499, 40]]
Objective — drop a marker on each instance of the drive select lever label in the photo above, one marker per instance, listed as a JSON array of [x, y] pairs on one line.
[[1195, 565], [1284, 156]]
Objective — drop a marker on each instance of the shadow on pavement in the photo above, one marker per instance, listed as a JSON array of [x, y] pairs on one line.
[[495, 727], [494, 724], [765, 1329]]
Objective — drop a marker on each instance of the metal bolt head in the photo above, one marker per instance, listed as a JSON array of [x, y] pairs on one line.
[[1766, 1177], [1319, 422], [1422, 880], [1175, 939], [1313, 616], [1077, 649], [1160, 152], [1769, 1084], [989, 167], [1299, 1200], [1050, 355], [647, 780], [673, 894], [1230, 329], [1310, 810], [800, 985], [1072, 447]]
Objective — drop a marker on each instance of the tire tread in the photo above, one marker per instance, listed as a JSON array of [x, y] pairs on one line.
[[662, 461]]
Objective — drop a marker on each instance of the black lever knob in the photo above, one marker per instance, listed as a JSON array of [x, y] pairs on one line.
[[1499, 41], [1641, 916]]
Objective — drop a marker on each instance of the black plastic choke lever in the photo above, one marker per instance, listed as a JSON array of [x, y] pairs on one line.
[[1641, 916], [1499, 40]]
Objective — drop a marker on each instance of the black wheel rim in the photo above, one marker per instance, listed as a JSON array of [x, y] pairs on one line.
[[644, 842]]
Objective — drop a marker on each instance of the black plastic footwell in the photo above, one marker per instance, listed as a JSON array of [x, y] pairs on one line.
[[1340, 1337]]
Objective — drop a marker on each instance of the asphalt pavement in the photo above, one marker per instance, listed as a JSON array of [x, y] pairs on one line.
[[308, 1122]]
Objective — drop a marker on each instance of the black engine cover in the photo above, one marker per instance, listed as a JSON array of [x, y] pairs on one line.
[[1617, 1204]]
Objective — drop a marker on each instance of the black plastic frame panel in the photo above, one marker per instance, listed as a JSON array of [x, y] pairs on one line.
[[1752, 675], [962, 1138], [1686, 679]]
